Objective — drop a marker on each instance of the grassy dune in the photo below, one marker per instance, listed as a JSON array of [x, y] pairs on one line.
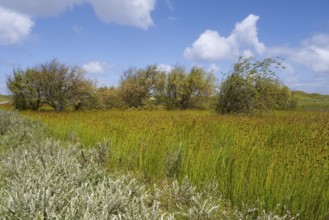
[[3, 98], [265, 160], [312, 101]]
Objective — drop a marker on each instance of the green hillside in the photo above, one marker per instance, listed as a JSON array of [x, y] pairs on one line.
[[312, 100], [3, 98]]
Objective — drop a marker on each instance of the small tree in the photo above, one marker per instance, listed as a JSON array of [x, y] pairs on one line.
[[34, 92], [252, 86], [189, 90], [199, 88], [175, 87], [237, 95], [17, 88], [109, 97], [139, 85], [25, 89], [63, 86], [53, 83]]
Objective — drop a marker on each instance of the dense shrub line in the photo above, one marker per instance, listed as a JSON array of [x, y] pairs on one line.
[[47, 179], [250, 86]]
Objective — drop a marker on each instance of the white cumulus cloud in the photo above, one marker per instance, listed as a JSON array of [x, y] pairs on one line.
[[14, 27], [209, 46], [127, 12], [135, 13], [243, 40], [245, 34], [313, 53], [96, 67]]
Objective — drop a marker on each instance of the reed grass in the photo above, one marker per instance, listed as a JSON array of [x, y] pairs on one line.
[[255, 161], [43, 178]]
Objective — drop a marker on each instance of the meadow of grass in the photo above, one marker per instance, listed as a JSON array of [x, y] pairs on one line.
[[44, 178], [312, 101], [254, 161]]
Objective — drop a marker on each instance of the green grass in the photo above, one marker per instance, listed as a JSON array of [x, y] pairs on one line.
[[312, 101], [265, 160], [3, 98], [43, 178]]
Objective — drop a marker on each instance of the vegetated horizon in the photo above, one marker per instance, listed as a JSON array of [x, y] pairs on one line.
[[251, 86], [301, 92]]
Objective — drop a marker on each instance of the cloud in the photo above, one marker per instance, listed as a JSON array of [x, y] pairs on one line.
[[126, 12], [135, 13], [172, 18], [40, 8], [243, 40], [170, 5], [96, 67], [317, 85], [313, 53], [245, 34], [213, 68], [297, 76], [78, 29], [165, 68], [14, 27], [209, 46]]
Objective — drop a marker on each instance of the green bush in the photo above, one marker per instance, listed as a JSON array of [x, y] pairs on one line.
[[52, 83], [252, 87]]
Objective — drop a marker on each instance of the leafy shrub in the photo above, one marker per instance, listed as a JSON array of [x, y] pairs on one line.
[[53, 83], [252, 86]]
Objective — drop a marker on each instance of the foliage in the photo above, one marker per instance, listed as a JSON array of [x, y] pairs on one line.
[[109, 97], [25, 89], [144, 88], [15, 131], [258, 161], [140, 85], [52, 83], [251, 86], [189, 90]]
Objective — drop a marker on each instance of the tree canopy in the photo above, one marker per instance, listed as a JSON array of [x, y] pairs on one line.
[[177, 89], [252, 86], [52, 83]]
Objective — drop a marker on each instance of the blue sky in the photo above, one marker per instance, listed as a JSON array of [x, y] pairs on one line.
[[106, 37]]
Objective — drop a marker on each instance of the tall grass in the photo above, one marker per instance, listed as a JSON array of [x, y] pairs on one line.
[[265, 160], [42, 178]]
